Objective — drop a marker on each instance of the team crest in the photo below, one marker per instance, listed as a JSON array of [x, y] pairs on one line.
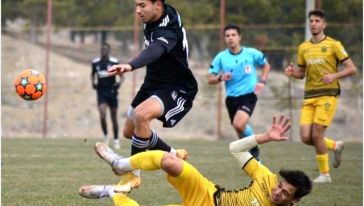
[[248, 69], [324, 49]]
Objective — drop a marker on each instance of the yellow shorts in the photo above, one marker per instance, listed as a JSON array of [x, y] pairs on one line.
[[318, 110], [193, 188]]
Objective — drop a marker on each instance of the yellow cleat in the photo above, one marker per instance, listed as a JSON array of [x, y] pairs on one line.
[[129, 180], [182, 154]]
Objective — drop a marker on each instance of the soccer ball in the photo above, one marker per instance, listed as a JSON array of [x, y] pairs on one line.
[[30, 84]]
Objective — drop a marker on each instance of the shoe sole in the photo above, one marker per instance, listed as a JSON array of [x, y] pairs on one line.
[[99, 149], [85, 191]]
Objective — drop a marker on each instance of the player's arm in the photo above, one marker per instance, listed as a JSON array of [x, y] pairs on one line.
[[239, 149], [296, 72], [215, 74], [263, 78], [147, 56], [214, 79], [349, 70], [265, 71]]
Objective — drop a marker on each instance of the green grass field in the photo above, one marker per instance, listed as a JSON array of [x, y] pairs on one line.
[[50, 171]]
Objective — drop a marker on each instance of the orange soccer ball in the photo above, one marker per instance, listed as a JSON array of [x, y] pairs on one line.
[[30, 84]]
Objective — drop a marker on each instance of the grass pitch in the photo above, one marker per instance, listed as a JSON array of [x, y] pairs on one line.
[[50, 171]]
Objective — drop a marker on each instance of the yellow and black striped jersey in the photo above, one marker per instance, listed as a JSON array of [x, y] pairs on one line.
[[258, 193], [319, 59]]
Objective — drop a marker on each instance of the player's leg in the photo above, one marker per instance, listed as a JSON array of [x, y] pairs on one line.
[[129, 124], [306, 121], [240, 123], [325, 111], [240, 110], [114, 119], [113, 104], [102, 107], [322, 157]]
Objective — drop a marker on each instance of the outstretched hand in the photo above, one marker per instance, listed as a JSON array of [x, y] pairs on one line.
[[119, 69], [279, 128]]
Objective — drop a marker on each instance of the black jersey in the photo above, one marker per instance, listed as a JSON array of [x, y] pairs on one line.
[[100, 67], [171, 69]]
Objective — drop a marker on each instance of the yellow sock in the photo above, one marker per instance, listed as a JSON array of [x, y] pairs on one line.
[[323, 163], [150, 160], [123, 200], [330, 143]]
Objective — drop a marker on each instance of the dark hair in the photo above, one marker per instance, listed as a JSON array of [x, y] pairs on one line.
[[163, 1], [299, 180], [232, 26], [317, 12]]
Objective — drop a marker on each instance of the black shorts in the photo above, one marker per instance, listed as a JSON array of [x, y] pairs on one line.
[[109, 96], [244, 103], [177, 103]]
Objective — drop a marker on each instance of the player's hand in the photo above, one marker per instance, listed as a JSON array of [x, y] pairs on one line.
[[259, 88], [119, 69], [227, 76], [288, 71], [328, 78], [279, 128]]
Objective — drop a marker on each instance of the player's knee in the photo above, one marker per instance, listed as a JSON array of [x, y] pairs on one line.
[[140, 117], [306, 139], [238, 127], [127, 133], [171, 164]]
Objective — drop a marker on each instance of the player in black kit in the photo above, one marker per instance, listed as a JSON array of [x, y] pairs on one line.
[[169, 86], [107, 91]]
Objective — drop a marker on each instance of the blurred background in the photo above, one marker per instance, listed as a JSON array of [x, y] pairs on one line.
[[78, 27]]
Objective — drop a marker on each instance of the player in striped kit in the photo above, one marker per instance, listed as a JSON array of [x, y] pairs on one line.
[[169, 87]]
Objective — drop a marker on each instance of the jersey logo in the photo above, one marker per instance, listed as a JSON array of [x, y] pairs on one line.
[[163, 39], [173, 122], [174, 95], [146, 42], [254, 202], [248, 69], [164, 21]]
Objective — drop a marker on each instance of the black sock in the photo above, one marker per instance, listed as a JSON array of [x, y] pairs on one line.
[[157, 143], [138, 144]]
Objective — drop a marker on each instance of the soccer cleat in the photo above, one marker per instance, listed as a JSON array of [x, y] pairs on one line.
[[101, 191], [107, 154], [182, 154], [129, 180], [116, 144], [323, 178], [93, 191], [337, 154]]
